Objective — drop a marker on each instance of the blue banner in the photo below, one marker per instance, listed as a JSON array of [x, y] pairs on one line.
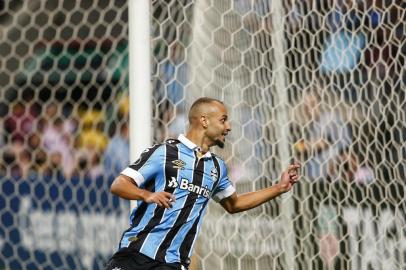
[[50, 223]]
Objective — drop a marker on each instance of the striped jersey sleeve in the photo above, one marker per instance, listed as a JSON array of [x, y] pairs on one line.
[[147, 165], [224, 187]]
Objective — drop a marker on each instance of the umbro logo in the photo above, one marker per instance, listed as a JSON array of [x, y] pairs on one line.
[[178, 164], [117, 268]]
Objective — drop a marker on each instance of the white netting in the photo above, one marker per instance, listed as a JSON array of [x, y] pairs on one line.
[[319, 81], [64, 111], [322, 82]]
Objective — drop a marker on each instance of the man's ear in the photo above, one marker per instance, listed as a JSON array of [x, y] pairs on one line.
[[203, 121]]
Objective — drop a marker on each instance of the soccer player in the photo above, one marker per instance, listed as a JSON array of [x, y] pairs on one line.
[[173, 183]]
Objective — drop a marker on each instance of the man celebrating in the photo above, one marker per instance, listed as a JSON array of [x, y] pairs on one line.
[[173, 182]]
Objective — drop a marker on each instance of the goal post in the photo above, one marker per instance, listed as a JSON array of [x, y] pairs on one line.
[[140, 89]]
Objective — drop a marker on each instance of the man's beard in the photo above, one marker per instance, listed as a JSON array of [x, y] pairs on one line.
[[219, 143]]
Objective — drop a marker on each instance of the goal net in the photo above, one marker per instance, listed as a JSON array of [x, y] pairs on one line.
[[321, 82], [63, 116]]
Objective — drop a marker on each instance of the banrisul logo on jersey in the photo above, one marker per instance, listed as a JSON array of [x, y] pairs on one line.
[[185, 185]]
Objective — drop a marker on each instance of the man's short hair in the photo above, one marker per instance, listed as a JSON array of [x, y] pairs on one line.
[[201, 101]]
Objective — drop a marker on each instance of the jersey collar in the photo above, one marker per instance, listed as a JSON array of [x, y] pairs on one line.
[[182, 138]]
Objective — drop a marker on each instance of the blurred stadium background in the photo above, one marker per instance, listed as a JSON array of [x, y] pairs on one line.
[[318, 81]]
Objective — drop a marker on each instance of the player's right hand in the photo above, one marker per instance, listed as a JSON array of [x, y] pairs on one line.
[[162, 199]]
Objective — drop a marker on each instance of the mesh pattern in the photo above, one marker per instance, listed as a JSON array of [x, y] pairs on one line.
[[321, 82], [64, 109]]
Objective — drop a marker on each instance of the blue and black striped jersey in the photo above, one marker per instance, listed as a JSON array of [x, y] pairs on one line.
[[168, 235]]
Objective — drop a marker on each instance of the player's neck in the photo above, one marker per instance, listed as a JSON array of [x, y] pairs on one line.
[[198, 139]]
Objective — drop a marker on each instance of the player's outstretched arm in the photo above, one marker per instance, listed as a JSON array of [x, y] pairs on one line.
[[125, 187], [238, 203]]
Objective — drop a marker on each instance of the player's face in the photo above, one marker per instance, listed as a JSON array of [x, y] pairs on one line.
[[218, 125]]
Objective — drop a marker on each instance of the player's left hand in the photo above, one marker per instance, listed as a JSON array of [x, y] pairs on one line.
[[290, 177]]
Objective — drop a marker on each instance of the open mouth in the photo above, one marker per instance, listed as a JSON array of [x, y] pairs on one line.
[[223, 136]]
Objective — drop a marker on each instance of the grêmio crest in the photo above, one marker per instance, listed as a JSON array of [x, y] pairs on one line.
[[178, 164], [214, 174]]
